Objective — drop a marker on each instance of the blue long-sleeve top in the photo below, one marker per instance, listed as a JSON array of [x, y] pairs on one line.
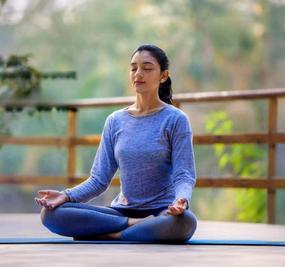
[[154, 155]]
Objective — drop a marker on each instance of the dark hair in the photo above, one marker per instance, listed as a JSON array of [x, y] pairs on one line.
[[165, 90]]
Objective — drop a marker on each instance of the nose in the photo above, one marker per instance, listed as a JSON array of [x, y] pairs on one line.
[[138, 73]]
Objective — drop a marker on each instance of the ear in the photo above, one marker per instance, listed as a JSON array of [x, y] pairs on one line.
[[164, 76]]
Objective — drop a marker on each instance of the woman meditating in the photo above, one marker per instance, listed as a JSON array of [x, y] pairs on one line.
[[150, 142]]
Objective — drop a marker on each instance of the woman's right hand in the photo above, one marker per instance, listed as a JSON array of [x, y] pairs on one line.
[[51, 198]]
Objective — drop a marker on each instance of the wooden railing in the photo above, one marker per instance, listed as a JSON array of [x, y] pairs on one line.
[[71, 140]]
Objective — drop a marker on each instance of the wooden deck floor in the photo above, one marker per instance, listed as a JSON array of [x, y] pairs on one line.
[[53, 255]]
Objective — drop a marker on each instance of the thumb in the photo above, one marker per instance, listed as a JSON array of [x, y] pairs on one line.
[[182, 202], [43, 192]]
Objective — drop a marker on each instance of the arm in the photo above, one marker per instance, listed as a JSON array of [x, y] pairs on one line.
[[102, 171], [183, 162]]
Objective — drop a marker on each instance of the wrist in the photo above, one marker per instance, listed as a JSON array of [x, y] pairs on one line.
[[66, 197]]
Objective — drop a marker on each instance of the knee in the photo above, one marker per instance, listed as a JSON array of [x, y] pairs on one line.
[[187, 225], [45, 216], [49, 216]]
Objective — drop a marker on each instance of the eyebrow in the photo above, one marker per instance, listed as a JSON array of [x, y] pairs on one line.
[[146, 62]]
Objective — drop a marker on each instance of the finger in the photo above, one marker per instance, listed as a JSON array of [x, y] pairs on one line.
[[180, 208], [176, 210], [44, 203], [43, 192], [180, 211], [40, 202], [182, 202], [47, 204], [37, 201], [174, 213], [183, 207], [175, 207], [171, 210]]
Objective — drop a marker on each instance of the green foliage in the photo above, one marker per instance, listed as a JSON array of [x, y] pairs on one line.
[[19, 78], [244, 160]]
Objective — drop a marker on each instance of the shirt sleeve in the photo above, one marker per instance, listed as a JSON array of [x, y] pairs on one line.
[[183, 161], [102, 171]]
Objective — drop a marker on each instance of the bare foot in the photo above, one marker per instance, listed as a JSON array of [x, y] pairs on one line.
[[133, 221], [117, 235], [109, 236]]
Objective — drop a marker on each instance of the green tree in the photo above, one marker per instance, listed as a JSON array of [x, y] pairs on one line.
[[243, 160], [18, 78]]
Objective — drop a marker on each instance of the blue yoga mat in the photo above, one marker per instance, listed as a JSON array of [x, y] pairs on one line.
[[54, 240]]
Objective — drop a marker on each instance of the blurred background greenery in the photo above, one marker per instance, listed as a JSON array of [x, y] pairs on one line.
[[212, 46]]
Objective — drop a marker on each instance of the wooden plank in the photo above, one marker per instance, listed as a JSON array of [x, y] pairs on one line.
[[216, 96], [122, 101], [52, 180], [237, 182], [202, 182], [272, 128], [71, 149], [88, 140], [257, 138], [33, 140], [50, 141]]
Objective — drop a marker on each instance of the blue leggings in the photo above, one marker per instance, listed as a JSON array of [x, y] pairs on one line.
[[85, 221]]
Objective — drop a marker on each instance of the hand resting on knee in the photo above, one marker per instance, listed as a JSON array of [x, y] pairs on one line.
[[51, 198]]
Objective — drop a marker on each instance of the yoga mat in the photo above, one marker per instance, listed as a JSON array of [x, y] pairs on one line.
[[54, 240]]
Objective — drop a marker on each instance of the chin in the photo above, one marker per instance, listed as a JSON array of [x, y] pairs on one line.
[[142, 92], [139, 89]]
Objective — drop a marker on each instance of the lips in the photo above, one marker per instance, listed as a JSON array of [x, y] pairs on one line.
[[138, 83]]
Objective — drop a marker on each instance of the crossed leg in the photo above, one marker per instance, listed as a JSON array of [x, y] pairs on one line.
[[84, 221], [163, 227]]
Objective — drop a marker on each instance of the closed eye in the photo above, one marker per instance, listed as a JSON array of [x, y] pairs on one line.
[[143, 69]]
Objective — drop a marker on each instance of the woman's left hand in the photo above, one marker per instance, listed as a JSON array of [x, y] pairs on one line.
[[177, 207]]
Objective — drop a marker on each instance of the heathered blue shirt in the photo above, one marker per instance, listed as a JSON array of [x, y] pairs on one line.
[[154, 155]]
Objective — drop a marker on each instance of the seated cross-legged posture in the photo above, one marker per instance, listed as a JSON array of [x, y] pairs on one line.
[[150, 142]]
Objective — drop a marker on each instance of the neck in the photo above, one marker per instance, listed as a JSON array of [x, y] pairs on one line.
[[147, 102]]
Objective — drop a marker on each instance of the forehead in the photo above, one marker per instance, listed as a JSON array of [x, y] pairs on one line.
[[143, 57]]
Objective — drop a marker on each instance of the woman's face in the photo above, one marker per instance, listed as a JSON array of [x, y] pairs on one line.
[[145, 73]]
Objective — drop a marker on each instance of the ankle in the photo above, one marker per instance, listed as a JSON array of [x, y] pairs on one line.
[[130, 221]]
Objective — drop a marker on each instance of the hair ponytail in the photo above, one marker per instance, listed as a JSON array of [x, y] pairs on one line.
[[165, 91]]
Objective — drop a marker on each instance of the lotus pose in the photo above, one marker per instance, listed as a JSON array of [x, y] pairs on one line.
[[150, 143]]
